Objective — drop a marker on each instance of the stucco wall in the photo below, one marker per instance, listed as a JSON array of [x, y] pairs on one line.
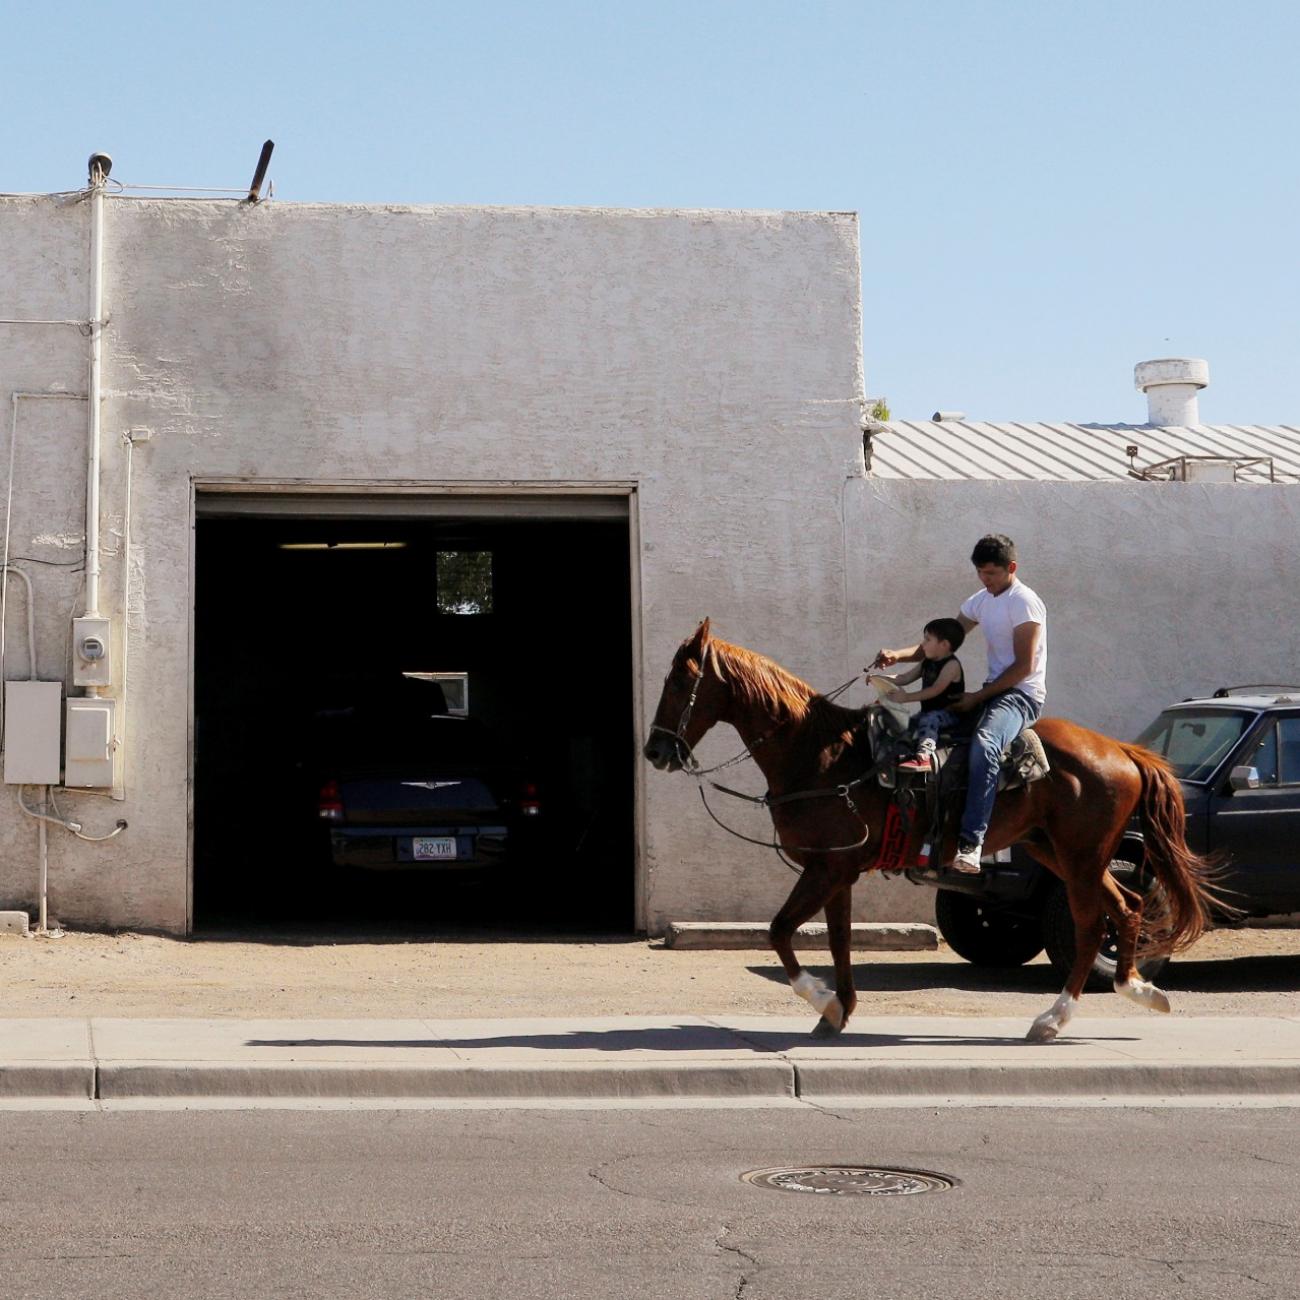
[[1155, 591], [710, 358]]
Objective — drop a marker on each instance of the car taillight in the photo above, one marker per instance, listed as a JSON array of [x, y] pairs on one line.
[[331, 802], [529, 804]]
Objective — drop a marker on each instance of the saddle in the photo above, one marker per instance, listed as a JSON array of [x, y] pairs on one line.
[[931, 799], [1023, 762]]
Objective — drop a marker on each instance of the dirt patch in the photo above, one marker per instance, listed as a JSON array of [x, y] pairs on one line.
[[1249, 972]]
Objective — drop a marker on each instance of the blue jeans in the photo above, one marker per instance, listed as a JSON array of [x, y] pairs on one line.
[[927, 726], [1003, 719]]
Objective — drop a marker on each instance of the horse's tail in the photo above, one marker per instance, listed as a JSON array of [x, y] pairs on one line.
[[1175, 915]]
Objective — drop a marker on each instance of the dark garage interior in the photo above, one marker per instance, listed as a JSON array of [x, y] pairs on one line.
[[300, 621]]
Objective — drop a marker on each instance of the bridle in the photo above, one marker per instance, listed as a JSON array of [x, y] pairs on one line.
[[685, 754], [691, 765]]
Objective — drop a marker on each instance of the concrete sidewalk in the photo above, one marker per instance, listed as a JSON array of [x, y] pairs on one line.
[[678, 1060]]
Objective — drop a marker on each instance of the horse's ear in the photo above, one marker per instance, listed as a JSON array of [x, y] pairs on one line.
[[699, 639]]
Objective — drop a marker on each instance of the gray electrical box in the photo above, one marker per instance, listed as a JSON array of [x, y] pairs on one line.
[[88, 758], [33, 719]]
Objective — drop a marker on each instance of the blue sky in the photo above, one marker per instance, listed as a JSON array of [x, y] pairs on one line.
[[1048, 193]]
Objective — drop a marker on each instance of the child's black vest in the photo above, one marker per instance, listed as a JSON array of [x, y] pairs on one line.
[[930, 671]]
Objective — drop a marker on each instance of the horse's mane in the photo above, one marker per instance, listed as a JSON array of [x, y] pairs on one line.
[[762, 682]]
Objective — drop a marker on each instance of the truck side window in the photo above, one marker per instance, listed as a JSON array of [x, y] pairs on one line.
[[1288, 733], [1265, 759]]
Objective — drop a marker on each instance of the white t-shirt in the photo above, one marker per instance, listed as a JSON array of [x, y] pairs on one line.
[[999, 616]]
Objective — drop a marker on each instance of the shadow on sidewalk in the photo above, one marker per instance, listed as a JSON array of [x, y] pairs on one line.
[[688, 1038]]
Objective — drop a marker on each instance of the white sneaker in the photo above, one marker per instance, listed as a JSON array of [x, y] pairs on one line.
[[967, 861]]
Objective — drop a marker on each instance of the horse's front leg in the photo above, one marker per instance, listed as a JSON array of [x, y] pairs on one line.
[[810, 894], [839, 930]]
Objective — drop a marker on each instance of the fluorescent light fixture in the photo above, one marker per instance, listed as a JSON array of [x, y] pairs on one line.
[[342, 546]]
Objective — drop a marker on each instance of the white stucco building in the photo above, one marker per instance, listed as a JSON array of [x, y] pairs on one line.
[[687, 384], [645, 417]]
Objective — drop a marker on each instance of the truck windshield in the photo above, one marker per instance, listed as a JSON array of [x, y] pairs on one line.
[[1195, 741]]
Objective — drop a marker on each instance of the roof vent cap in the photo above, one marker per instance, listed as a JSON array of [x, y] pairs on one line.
[[939, 416], [1171, 385]]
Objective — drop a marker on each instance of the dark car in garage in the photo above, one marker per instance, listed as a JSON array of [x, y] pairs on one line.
[[1237, 757], [402, 784]]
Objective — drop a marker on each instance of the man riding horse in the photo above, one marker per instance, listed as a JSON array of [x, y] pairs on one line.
[[1014, 620], [830, 813]]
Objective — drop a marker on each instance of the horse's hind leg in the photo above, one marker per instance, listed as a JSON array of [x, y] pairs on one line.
[[1124, 907], [809, 895], [1084, 890]]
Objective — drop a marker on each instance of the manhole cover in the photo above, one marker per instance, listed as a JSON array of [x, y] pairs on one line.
[[849, 1180]]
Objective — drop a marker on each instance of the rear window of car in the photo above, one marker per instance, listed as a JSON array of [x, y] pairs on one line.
[[1195, 741]]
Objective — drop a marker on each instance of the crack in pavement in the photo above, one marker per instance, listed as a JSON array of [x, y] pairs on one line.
[[597, 1174], [817, 1106], [1268, 1160], [1186, 1271], [745, 1276]]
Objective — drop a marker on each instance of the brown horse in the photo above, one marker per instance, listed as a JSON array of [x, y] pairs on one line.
[[1071, 820]]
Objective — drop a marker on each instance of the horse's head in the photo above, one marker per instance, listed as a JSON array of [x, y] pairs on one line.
[[693, 699]]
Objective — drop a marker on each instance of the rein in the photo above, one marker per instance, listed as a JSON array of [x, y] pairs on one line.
[[769, 801], [691, 765]]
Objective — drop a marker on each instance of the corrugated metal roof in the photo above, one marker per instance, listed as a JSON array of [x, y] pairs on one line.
[[969, 449]]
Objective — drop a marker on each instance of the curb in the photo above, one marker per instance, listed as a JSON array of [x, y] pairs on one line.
[[826, 1081], [772, 1080], [664, 1081], [28, 1080], [865, 936]]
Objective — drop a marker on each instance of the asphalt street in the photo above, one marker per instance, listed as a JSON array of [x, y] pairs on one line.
[[1115, 1203]]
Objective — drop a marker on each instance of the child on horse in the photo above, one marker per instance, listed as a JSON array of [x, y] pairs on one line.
[[942, 683], [1015, 628]]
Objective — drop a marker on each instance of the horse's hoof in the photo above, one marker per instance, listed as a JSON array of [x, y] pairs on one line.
[[1053, 1020], [1041, 1032], [1144, 994], [833, 1013], [824, 1029]]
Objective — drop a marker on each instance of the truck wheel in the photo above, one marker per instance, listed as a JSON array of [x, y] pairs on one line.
[[986, 934], [1058, 938]]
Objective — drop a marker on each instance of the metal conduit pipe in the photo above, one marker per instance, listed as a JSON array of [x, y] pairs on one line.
[[130, 439], [5, 567], [99, 164], [42, 844], [43, 880], [31, 632]]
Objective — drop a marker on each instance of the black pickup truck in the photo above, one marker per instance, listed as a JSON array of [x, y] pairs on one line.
[[1237, 756]]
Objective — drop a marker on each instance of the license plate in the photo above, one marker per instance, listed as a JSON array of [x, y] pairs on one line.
[[423, 849]]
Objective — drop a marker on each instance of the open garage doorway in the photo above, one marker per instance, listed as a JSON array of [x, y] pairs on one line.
[[413, 715]]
